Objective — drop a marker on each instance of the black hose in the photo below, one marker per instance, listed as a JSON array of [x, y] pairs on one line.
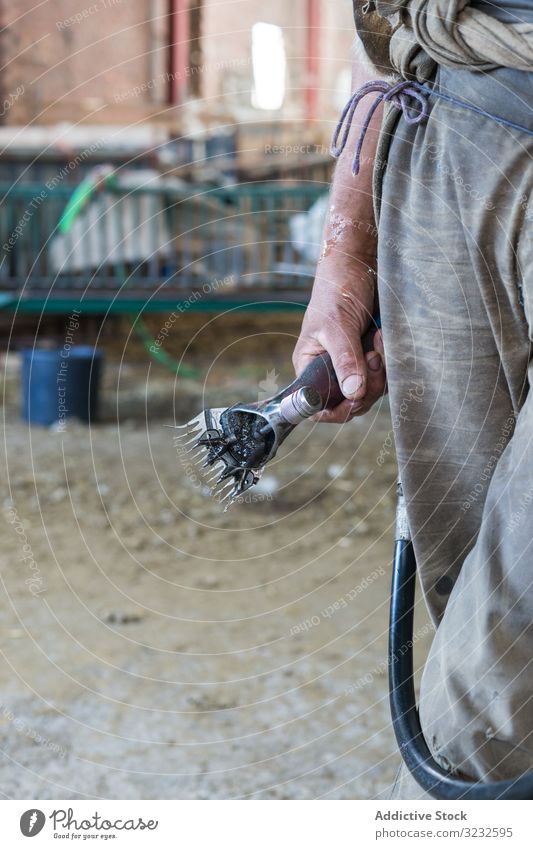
[[413, 747]]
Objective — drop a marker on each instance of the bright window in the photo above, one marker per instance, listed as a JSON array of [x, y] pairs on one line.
[[269, 66]]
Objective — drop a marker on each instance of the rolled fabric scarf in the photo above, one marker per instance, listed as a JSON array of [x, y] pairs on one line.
[[452, 33]]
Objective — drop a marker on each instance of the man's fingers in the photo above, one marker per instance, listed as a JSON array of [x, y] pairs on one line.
[[378, 343], [376, 386], [376, 378], [343, 412], [301, 359], [346, 355], [348, 361], [306, 350], [362, 377]]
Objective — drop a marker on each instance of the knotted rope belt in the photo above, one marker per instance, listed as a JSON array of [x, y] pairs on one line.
[[409, 96]]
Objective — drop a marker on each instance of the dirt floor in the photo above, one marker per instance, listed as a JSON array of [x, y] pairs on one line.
[[156, 647]]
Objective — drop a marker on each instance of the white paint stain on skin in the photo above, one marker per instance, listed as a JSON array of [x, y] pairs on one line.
[[338, 225]]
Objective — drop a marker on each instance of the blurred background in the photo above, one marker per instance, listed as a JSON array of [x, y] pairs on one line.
[[164, 171]]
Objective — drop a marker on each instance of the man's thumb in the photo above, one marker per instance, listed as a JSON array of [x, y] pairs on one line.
[[350, 367]]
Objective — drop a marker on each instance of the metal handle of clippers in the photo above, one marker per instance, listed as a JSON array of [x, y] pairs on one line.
[[320, 375], [405, 719], [271, 421], [235, 443]]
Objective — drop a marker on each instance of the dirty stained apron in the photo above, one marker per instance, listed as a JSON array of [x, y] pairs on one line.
[[455, 261]]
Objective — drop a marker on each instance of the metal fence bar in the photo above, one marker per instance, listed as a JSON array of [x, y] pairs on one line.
[[147, 236]]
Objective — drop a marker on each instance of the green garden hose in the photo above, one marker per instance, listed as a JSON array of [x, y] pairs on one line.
[[177, 367]]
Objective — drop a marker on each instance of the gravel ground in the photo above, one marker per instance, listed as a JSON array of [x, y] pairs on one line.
[[155, 647]]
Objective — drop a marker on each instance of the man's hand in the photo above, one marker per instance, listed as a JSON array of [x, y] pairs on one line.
[[336, 319], [342, 302]]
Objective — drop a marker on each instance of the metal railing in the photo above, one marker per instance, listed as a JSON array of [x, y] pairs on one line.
[[156, 241]]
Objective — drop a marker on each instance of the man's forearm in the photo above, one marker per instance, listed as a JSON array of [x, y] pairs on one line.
[[350, 233], [343, 296]]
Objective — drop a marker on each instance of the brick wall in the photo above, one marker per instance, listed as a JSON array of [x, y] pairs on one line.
[[105, 61], [75, 58]]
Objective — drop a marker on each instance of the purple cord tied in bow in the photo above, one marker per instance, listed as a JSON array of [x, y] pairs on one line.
[[398, 93]]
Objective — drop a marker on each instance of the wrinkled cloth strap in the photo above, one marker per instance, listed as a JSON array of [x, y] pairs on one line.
[[455, 34], [401, 94]]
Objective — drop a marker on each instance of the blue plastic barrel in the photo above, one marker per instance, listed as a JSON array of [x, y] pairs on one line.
[[60, 384]]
